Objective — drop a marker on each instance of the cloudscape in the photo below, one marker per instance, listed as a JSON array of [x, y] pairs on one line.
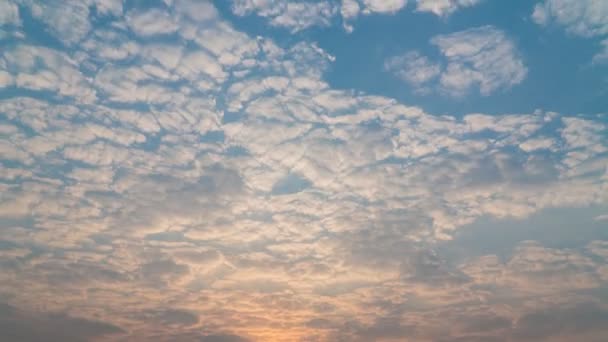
[[303, 170]]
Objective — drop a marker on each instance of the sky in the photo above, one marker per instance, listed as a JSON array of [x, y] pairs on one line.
[[305, 170]]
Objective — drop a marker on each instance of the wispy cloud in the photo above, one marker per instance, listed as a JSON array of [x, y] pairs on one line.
[[585, 18], [414, 69], [300, 15], [214, 186], [482, 58]]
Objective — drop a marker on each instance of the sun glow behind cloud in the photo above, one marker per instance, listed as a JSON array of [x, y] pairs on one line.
[[167, 176]]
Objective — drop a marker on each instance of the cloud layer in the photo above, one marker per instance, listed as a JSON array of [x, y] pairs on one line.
[[304, 14], [166, 176], [584, 18], [482, 58]]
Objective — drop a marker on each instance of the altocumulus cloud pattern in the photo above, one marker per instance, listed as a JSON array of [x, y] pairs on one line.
[[272, 170]]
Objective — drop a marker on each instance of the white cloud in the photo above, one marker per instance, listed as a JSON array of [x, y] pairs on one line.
[[151, 22], [106, 7], [481, 58], [40, 68], [414, 69], [98, 154], [537, 144], [443, 7], [294, 15], [586, 18], [349, 10], [196, 63], [5, 79], [67, 20], [602, 56], [304, 14], [383, 6], [168, 56], [109, 45], [584, 140], [298, 16], [198, 11], [9, 13], [196, 165], [226, 44]]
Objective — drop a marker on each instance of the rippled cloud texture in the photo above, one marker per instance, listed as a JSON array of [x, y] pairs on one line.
[[167, 176]]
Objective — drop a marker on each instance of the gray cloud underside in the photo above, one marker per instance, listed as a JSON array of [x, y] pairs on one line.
[[218, 186]]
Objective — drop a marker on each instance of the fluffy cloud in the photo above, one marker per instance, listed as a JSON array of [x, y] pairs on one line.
[[147, 183], [586, 18], [109, 7], [444, 7], [299, 15], [44, 69], [389, 6], [414, 69], [70, 20], [483, 58], [151, 22], [67, 20], [602, 56], [9, 13], [295, 15]]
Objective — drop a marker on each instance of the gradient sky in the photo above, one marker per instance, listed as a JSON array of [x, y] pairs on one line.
[[311, 170]]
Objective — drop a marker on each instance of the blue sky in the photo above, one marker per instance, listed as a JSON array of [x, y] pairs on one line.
[[313, 170], [560, 79]]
